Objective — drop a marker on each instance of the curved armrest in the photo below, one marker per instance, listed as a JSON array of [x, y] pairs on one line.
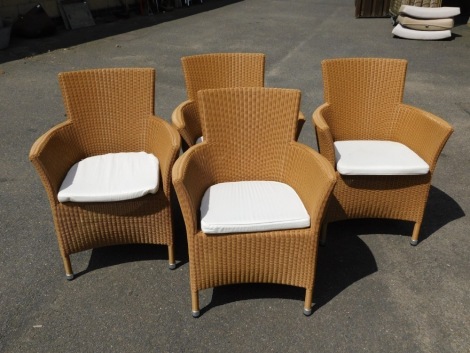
[[324, 136], [423, 132], [53, 154], [186, 119], [312, 177], [162, 139], [191, 178]]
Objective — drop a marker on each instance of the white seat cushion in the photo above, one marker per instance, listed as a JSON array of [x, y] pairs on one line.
[[429, 12], [407, 33], [251, 206], [439, 24], [377, 158], [111, 177]]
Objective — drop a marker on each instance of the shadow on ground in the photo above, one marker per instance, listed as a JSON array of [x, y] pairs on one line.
[[347, 258], [107, 24]]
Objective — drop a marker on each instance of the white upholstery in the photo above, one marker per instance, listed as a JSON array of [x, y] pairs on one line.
[[111, 177], [407, 33], [251, 206], [439, 24], [377, 158], [429, 12]]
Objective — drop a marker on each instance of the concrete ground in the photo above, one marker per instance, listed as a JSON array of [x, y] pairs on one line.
[[374, 292]]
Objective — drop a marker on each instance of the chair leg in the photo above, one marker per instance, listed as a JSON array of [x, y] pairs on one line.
[[308, 302], [171, 257], [414, 236], [68, 267], [195, 303]]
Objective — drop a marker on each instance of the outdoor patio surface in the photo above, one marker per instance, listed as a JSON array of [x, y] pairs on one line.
[[374, 292]]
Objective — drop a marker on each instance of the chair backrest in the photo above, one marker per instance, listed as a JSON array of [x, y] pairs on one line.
[[250, 128], [108, 107], [222, 70], [364, 94]]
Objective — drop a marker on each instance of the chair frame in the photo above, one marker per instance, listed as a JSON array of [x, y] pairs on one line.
[[344, 116], [282, 256], [211, 71], [108, 111]]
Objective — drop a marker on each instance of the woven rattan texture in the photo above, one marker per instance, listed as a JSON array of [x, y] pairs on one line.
[[108, 110], [395, 4], [216, 70], [250, 136], [363, 101], [222, 70]]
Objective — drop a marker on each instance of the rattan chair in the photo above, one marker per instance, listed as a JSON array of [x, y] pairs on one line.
[[216, 70], [363, 101], [108, 111], [249, 136]]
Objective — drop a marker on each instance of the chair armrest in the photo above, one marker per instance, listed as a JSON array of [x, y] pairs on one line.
[[300, 124], [423, 132], [53, 154], [186, 119], [323, 133], [162, 139], [191, 177], [312, 177]]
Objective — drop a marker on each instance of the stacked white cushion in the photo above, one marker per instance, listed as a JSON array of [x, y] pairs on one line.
[[410, 26], [111, 177], [360, 157], [439, 24], [429, 12], [407, 33], [251, 206]]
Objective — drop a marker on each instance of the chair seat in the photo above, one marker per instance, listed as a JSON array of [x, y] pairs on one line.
[[251, 206], [377, 158], [111, 177]]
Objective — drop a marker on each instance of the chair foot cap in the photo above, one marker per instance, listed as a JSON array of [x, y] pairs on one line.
[[196, 313], [413, 242], [172, 266], [307, 312], [69, 276]]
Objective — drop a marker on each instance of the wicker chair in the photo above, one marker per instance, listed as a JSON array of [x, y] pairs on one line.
[[109, 111], [249, 136], [363, 101], [216, 70]]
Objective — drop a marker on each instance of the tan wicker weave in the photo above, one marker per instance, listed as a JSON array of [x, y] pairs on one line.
[[364, 102], [249, 135], [216, 70], [108, 110], [395, 4]]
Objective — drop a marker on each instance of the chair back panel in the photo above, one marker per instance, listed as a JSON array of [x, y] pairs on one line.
[[364, 94], [222, 70], [109, 107], [250, 128]]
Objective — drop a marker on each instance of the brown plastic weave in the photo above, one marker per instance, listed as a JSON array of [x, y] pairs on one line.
[[395, 4], [249, 135], [216, 70], [108, 110], [363, 101]]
